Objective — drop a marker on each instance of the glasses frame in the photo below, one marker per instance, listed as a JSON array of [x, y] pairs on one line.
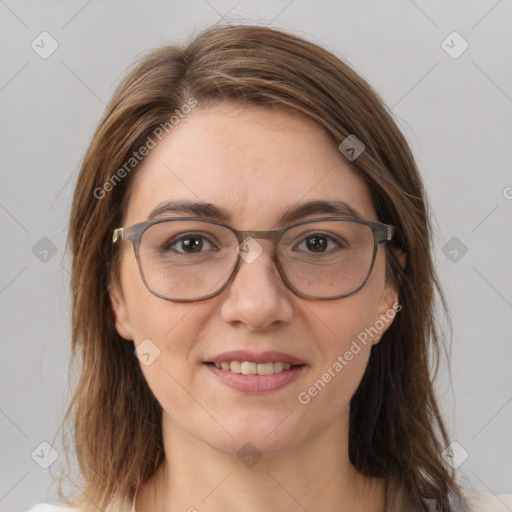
[[381, 233]]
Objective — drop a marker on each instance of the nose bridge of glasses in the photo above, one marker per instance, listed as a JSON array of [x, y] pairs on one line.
[[249, 249], [271, 235]]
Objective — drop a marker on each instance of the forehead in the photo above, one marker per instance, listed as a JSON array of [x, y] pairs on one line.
[[253, 162]]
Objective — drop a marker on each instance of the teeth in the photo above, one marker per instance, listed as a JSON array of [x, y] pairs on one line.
[[235, 367], [265, 368], [250, 368]]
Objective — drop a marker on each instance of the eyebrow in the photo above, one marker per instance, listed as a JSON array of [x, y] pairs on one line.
[[292, 214]]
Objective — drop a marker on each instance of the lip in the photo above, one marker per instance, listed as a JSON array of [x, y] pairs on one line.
[[270, 356], [256, 384]]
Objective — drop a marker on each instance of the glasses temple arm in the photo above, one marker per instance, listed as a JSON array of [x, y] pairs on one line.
[[119, 234]]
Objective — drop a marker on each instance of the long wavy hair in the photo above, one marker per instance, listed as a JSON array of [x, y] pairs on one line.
[[396, 430]]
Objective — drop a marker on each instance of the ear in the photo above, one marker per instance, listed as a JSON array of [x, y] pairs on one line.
[[402, 257], [120, 310], [386, 311]]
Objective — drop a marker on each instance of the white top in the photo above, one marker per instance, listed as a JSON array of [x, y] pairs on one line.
[[487, 502], [477, 502]]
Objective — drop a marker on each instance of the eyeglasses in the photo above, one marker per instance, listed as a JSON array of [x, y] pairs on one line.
[[185, 259]]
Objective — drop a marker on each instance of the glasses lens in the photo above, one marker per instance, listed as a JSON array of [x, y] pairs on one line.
[[327, 258], [190, 260], [187, 259]]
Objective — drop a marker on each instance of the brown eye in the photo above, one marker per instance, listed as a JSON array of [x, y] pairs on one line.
[[319, 243], [189, 244], [192, 244]]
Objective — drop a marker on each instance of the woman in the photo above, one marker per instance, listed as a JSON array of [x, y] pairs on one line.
[[253, 292]]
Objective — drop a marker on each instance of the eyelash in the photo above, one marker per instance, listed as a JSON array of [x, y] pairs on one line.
[[304, 238]]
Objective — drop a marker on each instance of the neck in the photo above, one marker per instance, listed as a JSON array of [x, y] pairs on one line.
[[315, 475]]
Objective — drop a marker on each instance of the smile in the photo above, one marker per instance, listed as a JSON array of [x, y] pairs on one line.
[[250, 368], [255, 378]]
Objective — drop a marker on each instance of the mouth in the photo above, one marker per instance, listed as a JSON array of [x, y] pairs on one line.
[[255, 373], [252, 368]]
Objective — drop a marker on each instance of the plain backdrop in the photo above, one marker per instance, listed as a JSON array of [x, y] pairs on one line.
[[453, 103]]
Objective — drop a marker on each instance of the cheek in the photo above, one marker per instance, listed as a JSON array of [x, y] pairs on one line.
[[347, 319], [165, 333], [345, 343], [331, 384], [149, 316]]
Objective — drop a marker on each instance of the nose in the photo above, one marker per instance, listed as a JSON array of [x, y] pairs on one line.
[[257, 297]]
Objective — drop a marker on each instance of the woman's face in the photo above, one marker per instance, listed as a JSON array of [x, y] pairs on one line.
[[255, 164]]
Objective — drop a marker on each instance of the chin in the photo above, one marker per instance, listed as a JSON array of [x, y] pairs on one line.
[[257, 438]]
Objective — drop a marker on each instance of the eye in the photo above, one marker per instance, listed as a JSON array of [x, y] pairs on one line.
[[189, 244], [319, 243]]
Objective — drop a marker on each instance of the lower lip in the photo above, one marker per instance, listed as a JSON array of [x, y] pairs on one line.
[[257, 384]]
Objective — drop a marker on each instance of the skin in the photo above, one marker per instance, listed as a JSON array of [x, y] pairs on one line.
[[255, 163]]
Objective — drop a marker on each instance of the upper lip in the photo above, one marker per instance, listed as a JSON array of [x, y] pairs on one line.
[[255, 357]]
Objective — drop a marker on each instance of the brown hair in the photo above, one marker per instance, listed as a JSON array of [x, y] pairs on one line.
[[395, 426]]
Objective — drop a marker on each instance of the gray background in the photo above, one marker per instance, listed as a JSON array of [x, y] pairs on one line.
[[456, 113]]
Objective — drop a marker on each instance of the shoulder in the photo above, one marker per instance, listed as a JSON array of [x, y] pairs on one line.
[[116, 505], [48, 507], [487, 502]]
